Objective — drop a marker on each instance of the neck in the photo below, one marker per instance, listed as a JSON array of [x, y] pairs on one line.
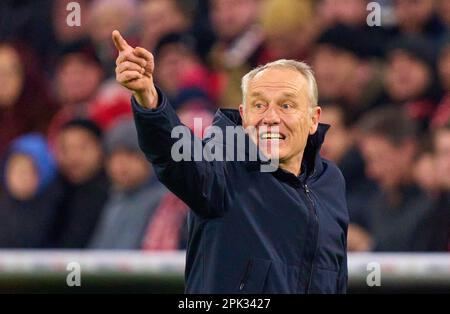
[[292, 165]]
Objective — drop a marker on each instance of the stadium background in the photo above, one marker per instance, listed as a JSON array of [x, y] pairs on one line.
[[75, 187]]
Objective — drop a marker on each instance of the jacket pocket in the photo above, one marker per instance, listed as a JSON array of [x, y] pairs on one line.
[[254, 276]]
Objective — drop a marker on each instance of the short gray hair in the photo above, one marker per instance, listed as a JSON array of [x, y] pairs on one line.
[[301, 67]]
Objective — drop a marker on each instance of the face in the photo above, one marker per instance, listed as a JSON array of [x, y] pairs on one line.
[[442, 149], [413, 14], [127, 170], [158, 18], [11, 76], [172, 61], [333, 70], [444, 68], [387, 164], [277, 98], [406, 77], [351, 12], [338, 138], [76, 79], [232, 17], [21, 177], [104, 17], [79, 154]]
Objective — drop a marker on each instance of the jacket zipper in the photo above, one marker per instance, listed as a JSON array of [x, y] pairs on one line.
[[311, 201], [245, 277]]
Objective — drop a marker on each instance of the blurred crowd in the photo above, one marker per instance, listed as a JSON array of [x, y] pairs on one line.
[[72, 174]]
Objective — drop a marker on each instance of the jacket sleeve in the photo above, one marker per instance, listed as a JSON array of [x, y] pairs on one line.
[[199, 183]]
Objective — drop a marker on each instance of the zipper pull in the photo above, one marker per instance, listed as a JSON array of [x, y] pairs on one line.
[[245, 277], [305, 186]]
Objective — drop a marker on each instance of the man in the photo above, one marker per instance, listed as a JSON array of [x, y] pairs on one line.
[[340, 147], [251, 231], [440, 230], [134, 196], [238, 46], [79, 156], [394, 214], [346, 68]]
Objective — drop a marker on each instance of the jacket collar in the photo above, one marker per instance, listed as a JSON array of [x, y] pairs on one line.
[[311, 157]]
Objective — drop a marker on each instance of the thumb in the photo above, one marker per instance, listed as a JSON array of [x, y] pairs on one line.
[[119, 42]]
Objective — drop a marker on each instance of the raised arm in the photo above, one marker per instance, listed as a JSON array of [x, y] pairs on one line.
[[200, 184]]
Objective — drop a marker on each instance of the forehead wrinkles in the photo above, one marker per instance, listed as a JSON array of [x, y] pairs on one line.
[[277, 90], [297, 85]]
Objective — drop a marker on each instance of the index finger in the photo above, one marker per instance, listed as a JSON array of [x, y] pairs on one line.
[[119, 42]]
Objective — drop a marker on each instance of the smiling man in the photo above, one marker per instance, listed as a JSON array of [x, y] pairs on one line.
[[250, 231]]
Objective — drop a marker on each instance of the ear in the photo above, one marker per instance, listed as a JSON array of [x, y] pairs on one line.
[[242, 113], [315, 120]]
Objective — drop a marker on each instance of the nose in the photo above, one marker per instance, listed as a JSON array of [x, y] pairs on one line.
[[271, 116]]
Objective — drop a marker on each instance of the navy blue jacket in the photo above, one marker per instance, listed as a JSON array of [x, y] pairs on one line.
[[252, 231]]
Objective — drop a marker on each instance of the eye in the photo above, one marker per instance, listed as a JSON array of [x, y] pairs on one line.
[[259, 106], [286, 106]]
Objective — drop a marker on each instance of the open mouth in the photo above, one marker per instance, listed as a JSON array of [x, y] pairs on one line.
[[272, 136]]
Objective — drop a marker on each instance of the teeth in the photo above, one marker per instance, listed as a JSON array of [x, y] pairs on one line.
[[266, 136]]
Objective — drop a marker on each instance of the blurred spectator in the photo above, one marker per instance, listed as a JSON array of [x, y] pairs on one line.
[[77, 80], [104, 17], [25, 105], [62, 34], [340, 147], [441, 141], [442, 149], [29, 205], [28, 21], [442, 113], [437, 227], [443, 11], [393, 216], [79, 155], [409, 78], [135, 192], [78, 75], [339, 138], [424, 170], [352, 13], [347, 71], [159, 18], [180, 71], [282, 22], [238, 47], [82, 91], [167, 229], [417, 17]]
